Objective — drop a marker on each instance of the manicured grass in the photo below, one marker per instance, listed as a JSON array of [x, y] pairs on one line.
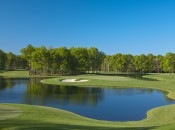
[[44, 118], [161, 81], [8, 112], [19, 74], [15, 74]]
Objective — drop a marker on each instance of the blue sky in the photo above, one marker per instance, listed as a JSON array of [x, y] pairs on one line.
[[113, 26]]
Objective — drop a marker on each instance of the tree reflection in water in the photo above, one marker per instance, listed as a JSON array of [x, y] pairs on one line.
[[98, 103], [38, 93]]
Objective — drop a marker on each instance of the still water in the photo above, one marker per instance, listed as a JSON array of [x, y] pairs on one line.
[[113, 104]]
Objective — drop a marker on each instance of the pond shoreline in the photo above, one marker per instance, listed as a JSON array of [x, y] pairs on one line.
[[166, 84]]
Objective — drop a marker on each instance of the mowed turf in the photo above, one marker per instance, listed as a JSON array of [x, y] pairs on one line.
[[45, 118], [9, 112], [164, 82], [14, 74], [19, 74]]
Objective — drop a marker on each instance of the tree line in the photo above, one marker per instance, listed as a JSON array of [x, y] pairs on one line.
[[140, 63], [64, 61], [10, 61]]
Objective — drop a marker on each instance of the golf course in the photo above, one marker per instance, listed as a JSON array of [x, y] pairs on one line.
[[21, 116], [87, 65]]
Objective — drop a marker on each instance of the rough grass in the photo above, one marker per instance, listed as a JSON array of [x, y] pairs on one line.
[[44, 118]]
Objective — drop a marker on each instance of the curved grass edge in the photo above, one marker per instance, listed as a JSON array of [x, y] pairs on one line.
[[44, 117], [131, 83], [157, 118]]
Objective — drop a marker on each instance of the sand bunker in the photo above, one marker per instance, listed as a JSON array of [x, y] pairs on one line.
[[73, 80]]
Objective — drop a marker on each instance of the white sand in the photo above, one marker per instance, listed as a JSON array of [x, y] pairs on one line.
[[73, 80]]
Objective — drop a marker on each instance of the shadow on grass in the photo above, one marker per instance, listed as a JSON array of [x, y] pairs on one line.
[[36, 125]]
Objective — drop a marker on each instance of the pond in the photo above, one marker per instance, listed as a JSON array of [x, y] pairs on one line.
[[112, 104]]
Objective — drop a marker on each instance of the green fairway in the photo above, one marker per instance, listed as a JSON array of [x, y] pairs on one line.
[[87, 65], [15, 116], [8, 112], [164, 82], [14, 74], [39, 118], [19, 74]]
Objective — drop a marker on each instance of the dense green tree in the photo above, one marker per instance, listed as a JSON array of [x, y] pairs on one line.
[[158, 63], [40, 61], [60, 60], [11, 61], [55, 61], [20, 62], [112, 60], [63, 61], [141, 63], [100, 60], [73, 62], [150, 62], [106, 63], [129, 63], [81, 59], [26, 53], [96, 59], [93, 59], [15, 62], [121, 63], [3, 59], [169, 63]]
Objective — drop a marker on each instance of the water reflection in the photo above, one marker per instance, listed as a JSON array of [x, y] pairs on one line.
[[130, 92], [11, 82], [97, 103], [38, 93]]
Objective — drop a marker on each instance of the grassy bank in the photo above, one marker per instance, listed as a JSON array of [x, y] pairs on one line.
[[19, 74], [13, 116], [15, 74], [159, 81], [44, 118]]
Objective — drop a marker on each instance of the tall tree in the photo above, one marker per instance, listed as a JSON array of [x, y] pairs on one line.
[[100, 60], [93, 58], [150, 64], [158, 63], [169, 63], [113, 62], [119, 62], [141, 63], [96, 59], [60, 60], [129, 63], [81, 58], [3, 59], [40, 60], [21, 63], [106, 63], [11, 61], [26, 53]]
